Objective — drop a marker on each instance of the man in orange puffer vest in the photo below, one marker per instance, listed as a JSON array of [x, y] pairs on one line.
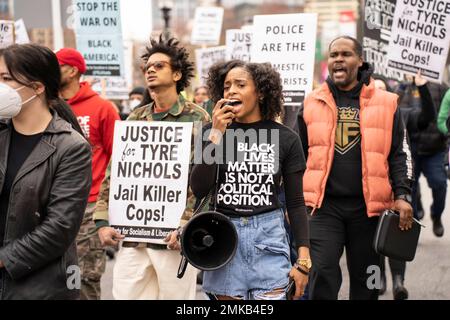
[[358, 165]]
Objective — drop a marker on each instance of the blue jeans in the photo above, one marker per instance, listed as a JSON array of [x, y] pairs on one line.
[[261, 263], [433, 169]]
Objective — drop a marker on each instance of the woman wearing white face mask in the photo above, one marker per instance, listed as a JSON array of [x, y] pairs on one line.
[[135, 99], [11, 102], [45, 177]]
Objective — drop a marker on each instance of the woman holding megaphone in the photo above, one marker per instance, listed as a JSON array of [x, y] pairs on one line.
[[253, 153]]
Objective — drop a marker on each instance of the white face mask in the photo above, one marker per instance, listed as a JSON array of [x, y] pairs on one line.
[[10, 101], [134, 103]]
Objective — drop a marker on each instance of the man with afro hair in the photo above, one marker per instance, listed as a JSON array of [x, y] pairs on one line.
[[147, 270]]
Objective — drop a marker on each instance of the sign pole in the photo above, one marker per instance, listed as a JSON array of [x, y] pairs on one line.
[[103, 82], [58, 35]]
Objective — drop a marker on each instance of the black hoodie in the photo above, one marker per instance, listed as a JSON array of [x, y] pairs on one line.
[[347, 150]]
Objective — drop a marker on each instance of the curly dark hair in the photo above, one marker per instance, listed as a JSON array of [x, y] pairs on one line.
[[179, 58], [267, 82]]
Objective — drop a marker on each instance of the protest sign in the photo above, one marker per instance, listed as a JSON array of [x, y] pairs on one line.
[[6, 33], [420, 37], [205, 58], [207, 26], [238, 43], [149, 178], [113, 88], [117, 87], [378, 18], [21, 32], [288, 42], [99, 36]]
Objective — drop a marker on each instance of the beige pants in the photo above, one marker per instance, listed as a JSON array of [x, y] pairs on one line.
[[149, 274]]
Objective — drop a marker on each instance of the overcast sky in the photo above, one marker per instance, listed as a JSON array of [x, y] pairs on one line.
[[136, 19]]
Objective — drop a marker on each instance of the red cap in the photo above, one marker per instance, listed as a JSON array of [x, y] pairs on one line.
[[72, 58]]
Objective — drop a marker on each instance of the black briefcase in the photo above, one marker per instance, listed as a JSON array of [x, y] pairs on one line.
[[394, 243]]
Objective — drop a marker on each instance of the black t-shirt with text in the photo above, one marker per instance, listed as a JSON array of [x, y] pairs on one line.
[[254, 157], [19, 149]]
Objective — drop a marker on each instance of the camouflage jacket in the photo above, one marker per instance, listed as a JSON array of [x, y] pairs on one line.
[[181, 111], [208, 105]]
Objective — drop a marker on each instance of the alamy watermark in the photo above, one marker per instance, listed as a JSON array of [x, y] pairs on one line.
[[374, 279], [73, 277], [256, 147]]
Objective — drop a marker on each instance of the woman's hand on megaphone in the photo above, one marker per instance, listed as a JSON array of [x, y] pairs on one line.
[[172, 240]]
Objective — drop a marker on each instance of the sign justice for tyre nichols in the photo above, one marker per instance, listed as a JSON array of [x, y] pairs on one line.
[[149, 178], [420, 37]]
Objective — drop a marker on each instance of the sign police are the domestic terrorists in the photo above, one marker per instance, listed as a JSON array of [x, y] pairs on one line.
[[420, 37], [378, 18], [99, 36], [288, 42], [149, 178]]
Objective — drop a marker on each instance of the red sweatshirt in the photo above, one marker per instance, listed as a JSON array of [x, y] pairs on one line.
[[96, 117]]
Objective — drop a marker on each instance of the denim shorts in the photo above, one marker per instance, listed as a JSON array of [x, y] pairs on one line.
[[261, 263]]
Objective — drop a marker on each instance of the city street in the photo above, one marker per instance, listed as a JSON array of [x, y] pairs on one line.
[[427, 277]]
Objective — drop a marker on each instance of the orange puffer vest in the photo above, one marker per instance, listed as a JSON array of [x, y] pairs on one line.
[[377, 110]]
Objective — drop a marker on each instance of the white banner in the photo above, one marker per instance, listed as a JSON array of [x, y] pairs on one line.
[[420, 37], [288, 42], [238, 43], [21, 32], [149, 178], [99, 36], [113, 88], [6, 33], [207, 26], [205, 58]]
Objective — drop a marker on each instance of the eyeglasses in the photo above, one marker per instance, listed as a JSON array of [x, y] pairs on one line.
[[157, 65]]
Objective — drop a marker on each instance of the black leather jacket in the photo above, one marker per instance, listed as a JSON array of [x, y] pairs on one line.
[[46, 207]]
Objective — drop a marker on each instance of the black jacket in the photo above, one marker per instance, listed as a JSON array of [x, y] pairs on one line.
[[46, 207], [429, 140], [418, 119]]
